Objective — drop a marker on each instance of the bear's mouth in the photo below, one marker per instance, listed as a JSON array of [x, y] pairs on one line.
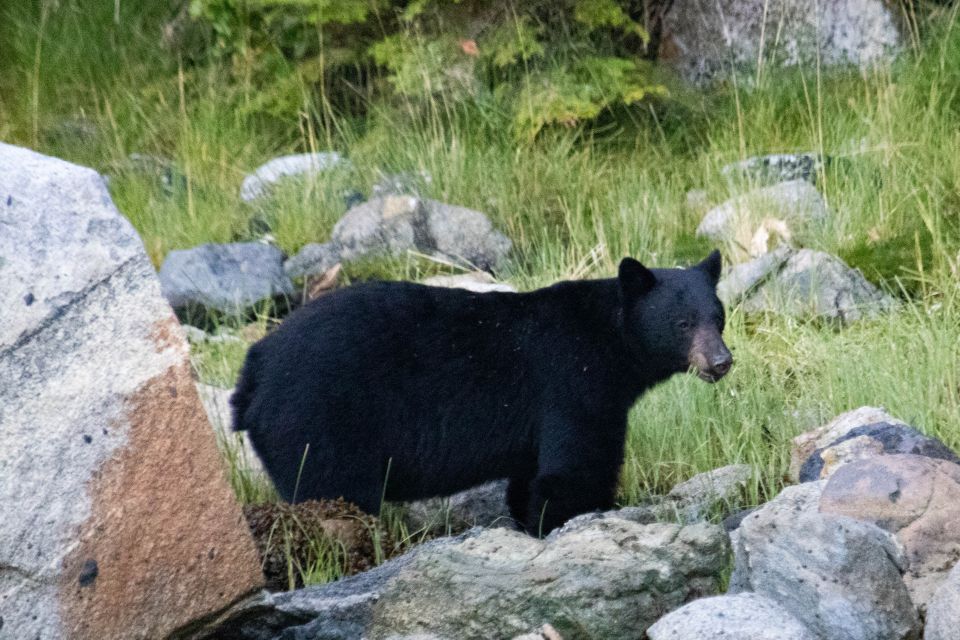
[[707, 376]]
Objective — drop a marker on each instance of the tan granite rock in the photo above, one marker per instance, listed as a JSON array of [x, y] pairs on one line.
[[913, 497]]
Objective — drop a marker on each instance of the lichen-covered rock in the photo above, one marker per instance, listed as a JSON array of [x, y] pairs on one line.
[[703, 38], [258, 184], [917, 499], [611, 580], [744, 616], [229, 278], [118, 521], [840, 577], [778, 167]]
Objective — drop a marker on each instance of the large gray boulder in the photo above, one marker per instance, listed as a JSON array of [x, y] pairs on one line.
[[118, 521], [806, 284], [393, 225], [745, 616], [610, 579], [704, 38], [302, 165], [840, 577], [229, 278], [943, 612]]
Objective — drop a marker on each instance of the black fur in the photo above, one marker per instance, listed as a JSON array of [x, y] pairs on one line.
[[436, 390]]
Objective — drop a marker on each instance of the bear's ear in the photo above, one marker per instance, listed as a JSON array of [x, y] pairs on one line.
[[712, 265], [635, 279]]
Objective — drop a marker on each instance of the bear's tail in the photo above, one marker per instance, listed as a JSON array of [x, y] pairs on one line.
[[243, 393]]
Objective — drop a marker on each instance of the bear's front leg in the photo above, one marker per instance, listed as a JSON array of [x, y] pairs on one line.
[[579, 457], [518, 492], [557, 497]]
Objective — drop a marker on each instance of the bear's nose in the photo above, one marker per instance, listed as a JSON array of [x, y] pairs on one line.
[[721, 364]]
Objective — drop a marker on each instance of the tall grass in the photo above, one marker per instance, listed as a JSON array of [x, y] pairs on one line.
[[574, 202]]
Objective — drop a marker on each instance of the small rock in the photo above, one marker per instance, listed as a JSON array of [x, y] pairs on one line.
[[872, 440], [266, 175], [917, 499], [710, 490], [395, 224], [465, 235], [229, 278], [483, 506], [796, 202], [744, 616], [778, 167], [479, 281], [313, 259], [838, 576], [943, 611], [197, 335]]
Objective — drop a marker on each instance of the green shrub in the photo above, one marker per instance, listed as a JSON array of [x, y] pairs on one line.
[[544, 63]]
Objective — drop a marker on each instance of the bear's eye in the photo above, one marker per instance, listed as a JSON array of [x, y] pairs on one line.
[[683, 324]]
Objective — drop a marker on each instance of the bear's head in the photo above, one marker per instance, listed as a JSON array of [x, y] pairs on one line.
[[672, 318]]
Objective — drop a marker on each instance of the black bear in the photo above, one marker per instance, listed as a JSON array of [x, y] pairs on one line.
[[400, 391]]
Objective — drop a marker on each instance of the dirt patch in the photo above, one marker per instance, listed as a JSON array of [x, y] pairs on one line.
[[316, 541]]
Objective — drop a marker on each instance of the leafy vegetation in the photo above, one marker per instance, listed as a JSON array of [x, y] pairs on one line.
[[559, 129]]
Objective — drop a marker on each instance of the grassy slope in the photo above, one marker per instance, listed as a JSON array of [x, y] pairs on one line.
[[574, 202]]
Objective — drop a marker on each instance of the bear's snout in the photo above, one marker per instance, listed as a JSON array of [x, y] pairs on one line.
[[709, 355]]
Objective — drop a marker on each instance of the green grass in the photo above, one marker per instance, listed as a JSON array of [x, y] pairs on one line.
[[574, 201]]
